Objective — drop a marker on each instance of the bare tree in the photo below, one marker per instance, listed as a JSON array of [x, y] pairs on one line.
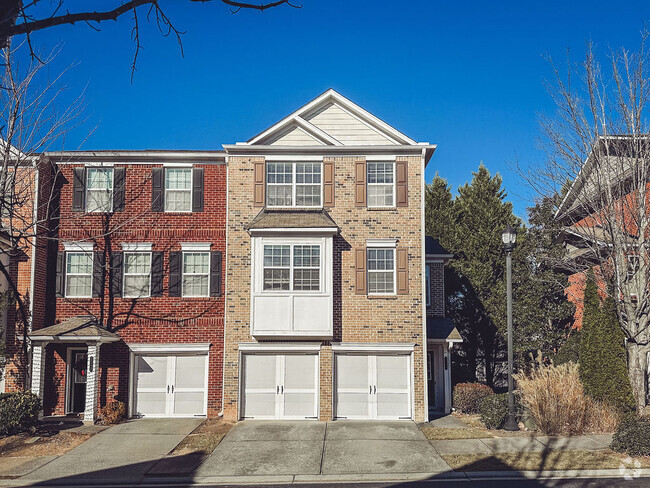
[[598, 158], [32, 118], [20, 17]]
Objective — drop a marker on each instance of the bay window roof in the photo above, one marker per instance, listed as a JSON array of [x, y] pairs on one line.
[[269, 219]]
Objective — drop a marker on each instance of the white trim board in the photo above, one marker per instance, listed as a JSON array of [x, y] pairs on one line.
[[280, 347], [203, 347], [372, 347]]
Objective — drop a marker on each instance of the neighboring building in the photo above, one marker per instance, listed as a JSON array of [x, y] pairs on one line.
[[135, 307], [441, 332], [325, 311]]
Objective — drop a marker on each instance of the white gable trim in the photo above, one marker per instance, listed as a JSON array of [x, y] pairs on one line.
[[352, 108], [314, 131]]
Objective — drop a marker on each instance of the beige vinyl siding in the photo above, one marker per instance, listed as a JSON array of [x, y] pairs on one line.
[[296, 137], [345, 128]]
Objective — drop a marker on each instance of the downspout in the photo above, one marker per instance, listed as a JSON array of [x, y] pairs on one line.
[[32, 277], [425, 351], [225, 295]]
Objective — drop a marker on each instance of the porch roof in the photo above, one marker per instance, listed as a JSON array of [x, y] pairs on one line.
[[292, 219], [83, 328], [442, 329]]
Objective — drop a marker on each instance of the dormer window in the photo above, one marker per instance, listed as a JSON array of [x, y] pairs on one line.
[[294, 184]]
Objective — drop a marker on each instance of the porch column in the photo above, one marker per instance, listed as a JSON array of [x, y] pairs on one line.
[[38, 373], [447, 362], [91, 382]]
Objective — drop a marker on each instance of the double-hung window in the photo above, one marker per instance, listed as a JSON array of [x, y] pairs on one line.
[[79, 274], [99, 190], [294, 184], [381, 184], [196, 274], [381, 271], [292, 267], [137, 274], [178, 190]]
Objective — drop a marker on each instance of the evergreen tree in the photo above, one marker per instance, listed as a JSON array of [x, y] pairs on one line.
[[588, 342]]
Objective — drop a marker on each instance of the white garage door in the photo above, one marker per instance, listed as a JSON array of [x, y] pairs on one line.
[[373, 386], [279, 386], [171, 386]]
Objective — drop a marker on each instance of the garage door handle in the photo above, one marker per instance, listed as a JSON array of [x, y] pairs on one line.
[[277, 390], [282, 389], [375, 389], [370, 392], [172, 388], [167, 388]]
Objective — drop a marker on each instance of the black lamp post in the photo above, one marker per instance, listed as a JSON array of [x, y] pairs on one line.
[[509, 237]]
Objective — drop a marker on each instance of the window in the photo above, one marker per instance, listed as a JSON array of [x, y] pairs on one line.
[[294, 184], [79, 275], [380, 184], [292, 267], [99, 190], [137, 274], [428, 281], [8, 196], [178, 190], [196, 274], [381, 271]]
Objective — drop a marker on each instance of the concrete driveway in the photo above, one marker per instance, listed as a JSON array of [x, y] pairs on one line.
[[270, 448], [124, 451]]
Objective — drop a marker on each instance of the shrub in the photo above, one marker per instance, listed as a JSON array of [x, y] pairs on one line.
[[18, 411], [603, 360], [555, 398], [468, 395], [569, 351], [494, 410], [633, 436], [113, 413]]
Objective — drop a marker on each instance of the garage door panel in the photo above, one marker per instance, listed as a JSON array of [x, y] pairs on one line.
[[188, 403], [393, 405], [299, 404], [300, 372], [152, 372], [392, 372], [190, 372], [352, 372], [352, 405], [260, 371], [151, 403]]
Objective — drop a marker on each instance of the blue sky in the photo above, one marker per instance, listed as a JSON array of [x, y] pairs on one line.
[[467, 76]]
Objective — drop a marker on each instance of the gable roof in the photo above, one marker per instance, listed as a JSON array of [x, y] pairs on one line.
[[325, 120], [79, 328]]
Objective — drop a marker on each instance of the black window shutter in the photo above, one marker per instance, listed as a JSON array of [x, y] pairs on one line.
[[98, 274], [197, 190], [60, 274], [118, 189], [157, 274], [157, 191], [79, 190], [215, 274], [175, 273], [116, 273]]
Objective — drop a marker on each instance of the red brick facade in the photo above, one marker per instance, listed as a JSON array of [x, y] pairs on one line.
[[155, 320]]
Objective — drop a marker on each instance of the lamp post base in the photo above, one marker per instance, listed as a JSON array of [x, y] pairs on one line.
[[511, 425]]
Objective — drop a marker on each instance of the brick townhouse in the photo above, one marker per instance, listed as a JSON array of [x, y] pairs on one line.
[[134, 308], [325, 310]]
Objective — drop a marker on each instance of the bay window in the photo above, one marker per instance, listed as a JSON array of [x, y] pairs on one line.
[[290, 268], [294, 184]]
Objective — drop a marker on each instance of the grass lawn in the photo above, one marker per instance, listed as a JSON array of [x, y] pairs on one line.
[[29, 445], [439, 434], [543, 461], [204, 438]]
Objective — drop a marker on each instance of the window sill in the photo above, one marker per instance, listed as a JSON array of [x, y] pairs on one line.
[[78, 299], [382, 297], [382, 209], [198, 299]]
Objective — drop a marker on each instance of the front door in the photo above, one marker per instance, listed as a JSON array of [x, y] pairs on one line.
[[279, 386], [170, 386], [77, 374], [436, 377], [373, 386]]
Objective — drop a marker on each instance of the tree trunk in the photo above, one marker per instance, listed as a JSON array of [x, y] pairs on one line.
[[637, 367], [8, 13]]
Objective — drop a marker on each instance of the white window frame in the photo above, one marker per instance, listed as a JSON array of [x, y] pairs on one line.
[[183, 273], [291, 289], [381, 244], [368, 184], [165, 190], [88, 189], [124, 273], [293, 184], [79, 250]]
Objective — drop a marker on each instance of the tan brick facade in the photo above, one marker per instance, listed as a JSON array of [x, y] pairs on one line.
[[357, 318]]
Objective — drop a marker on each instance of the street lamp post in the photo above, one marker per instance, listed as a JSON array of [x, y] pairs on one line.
[[509, 237]]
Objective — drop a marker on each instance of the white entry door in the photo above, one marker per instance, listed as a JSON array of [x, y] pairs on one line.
[[279, 386], [373, 386], [171, 386]]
